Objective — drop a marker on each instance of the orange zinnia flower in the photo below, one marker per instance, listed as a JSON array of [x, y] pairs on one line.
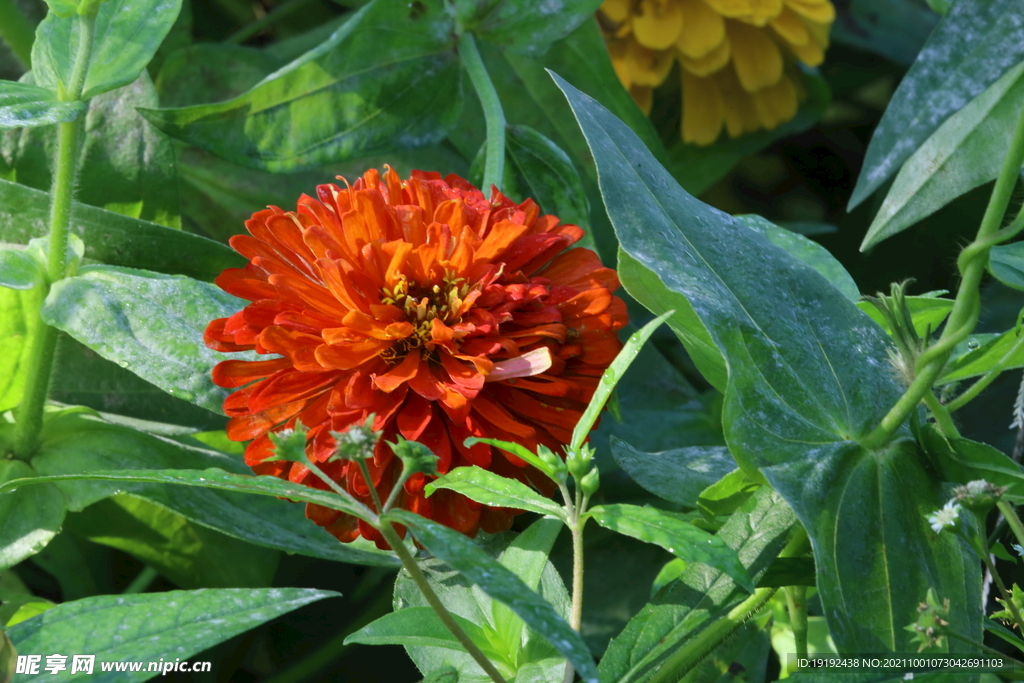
[[441, 312]]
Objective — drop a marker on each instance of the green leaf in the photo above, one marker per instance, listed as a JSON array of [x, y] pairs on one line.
[[788, 571], [150, 323], [462, 555], [680, 538], [839, 676], [962, 460], [188, 554], [981, 352], [381, 82], [113, 238], [124, 165], [18, 270], [494, 490], [726, 495], [19, 325], [126, 36], [544, 173], [808, 376], [701, 595], [417, 626], [28, 518], [23, 105], [524, 26], [1006, 263], [926, 312], [894, 29], [677, 475], [973, 45], [8, 658], [610, 377], [77, 445], [808, 251], [118, 628], [212, 72], [1006, 634], [966, 151]]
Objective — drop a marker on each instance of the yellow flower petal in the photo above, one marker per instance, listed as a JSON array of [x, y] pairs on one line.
[[646, 66], [781, 100], [755, 56], [739, 110], [702, 110], [709, 63], [617, 51], [762, 11], [616, 10], [731, 8], [657, 23], [821, 11], [790, 27], [811, 54], [703, 29]]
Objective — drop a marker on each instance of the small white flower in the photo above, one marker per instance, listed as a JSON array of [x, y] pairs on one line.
[[940, 519], [1018, 548], [978, 487]]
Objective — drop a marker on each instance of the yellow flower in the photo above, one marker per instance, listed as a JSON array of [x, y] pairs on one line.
[[737, 57]]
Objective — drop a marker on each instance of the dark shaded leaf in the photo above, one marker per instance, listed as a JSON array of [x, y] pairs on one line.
[[678, 475], [1006, 263], [894, 29], [417, 626], [962, 460], [28, 518], [524, 26]]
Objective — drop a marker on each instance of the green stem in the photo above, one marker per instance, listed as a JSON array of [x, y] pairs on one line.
[[17, 32], [315, 469], [364, 468], [416, 574], [967, 306], [576, 614], [942, 416], [494, 116], [280, 12], [981, 646], [1007, 596], [65, 167], [685, 658], [142, 581], [979, 386], [1010, 514], [796, 600]]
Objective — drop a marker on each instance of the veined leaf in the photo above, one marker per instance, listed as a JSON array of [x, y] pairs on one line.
[[981, 352], [1006, 262], [524, 26], [677, 475], [28, 518], [23, 105], [494, 490]]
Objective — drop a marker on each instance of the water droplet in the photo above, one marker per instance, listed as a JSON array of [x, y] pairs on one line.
[[123, 363], [973, 344]]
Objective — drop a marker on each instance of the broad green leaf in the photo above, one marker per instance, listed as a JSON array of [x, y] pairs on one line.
[[77, 444], [190, 555], [926, 312], [610, 377], [726, 495], [118, 628], [808, 251], [788, 571], [113, 238], [147, 322], [8, 658], [545, 174], [894, 29], [23, 105], [81, 568], [212, 72], [701, 595], [494, 490], [808, 375], [462, 555], [211, 478], [18, 270], [677, 475], [1006, 261], [126, 36], [973, 45], [981, 352], [961, 460], [680, 538], [417, 626], [524, 26], [380, 83], [19, 324], [28, 518], [1006, 634], [966, 151], [125, 166]]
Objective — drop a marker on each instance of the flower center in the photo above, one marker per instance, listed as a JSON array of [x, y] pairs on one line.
[[422, 304]]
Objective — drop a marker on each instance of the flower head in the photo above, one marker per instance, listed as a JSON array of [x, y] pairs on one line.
[[947, 516], [441, 313], [737, 57]]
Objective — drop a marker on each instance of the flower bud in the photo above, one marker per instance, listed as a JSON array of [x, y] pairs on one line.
[[578, 461], [590, 482], [551, 459], [979, 495]]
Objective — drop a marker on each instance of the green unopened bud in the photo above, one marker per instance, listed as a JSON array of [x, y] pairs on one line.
[[578, 461], [289, 444], [552, 460], [415, 458], [590, 482], [979, 495], [930, 628], [355, 443]]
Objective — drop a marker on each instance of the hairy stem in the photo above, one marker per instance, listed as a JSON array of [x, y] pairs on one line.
[[1010, 514], [796, 601], [576, 615], [416, 574], [967, 306], [65, 167], [1007, 596], [942, 416], [17, 32], [494, 116]]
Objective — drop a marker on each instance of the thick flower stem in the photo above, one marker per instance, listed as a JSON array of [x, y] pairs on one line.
[[964, 315], [494, 116], [942, 416], [65, 166], [1010, 514], [16, 32], [416, 574], [796, 601]]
